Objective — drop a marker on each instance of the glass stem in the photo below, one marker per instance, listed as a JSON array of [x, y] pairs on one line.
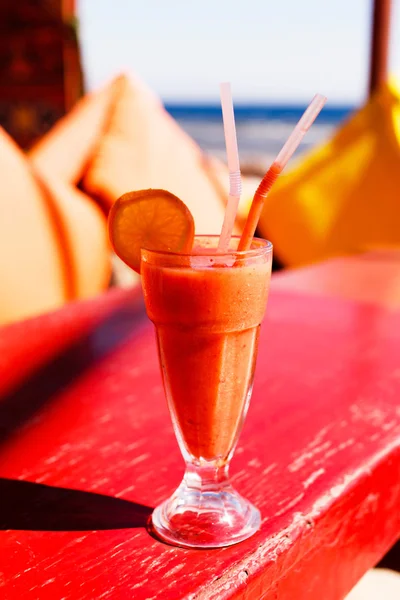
[[209, 477]]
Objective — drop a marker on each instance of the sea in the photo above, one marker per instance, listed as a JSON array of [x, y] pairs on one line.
[[261, 129]]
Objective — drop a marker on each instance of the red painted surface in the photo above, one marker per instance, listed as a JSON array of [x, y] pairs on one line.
[[26, 345], [373, 277], [319, 456]]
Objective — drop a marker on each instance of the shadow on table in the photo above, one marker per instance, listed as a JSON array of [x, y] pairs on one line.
[[19, 405], [25, 505]]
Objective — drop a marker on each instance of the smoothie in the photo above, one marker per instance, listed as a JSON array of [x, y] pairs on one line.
[[207, 313], [206, 296]]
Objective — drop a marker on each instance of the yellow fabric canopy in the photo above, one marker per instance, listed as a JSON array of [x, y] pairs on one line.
[[344, 196]]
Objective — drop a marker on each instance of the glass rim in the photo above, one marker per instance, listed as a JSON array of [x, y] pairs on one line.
[[265, 247]]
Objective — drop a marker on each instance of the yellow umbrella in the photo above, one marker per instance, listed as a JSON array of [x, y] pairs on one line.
[[344, 197]]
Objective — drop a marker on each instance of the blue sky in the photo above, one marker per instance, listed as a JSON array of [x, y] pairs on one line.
[[270, 50]]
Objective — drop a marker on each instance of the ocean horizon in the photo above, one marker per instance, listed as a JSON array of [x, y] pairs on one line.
[[256, 110], [262, 129]]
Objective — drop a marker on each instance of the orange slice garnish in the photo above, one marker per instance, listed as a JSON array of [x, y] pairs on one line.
[[150, 219]]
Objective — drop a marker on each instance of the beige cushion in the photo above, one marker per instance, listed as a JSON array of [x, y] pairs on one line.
[[67, 148], [84, 236], [33, 272], [144, 147]]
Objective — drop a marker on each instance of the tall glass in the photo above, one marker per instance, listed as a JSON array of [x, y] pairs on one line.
[[207, 309]]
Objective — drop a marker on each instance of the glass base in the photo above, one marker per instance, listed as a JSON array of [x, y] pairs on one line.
[[205, 519]]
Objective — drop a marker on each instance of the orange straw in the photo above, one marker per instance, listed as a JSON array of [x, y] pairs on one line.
[[277, 167]]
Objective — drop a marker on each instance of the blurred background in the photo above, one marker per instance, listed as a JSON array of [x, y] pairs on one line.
[[277, 55], [88, 134]]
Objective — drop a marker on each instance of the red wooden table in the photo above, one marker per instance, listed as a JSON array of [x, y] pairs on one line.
[[87, 448]]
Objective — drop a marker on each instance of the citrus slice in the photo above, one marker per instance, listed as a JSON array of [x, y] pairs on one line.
[[150, 219]]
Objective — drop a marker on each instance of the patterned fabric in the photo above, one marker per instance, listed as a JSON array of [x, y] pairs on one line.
[[40, 74]]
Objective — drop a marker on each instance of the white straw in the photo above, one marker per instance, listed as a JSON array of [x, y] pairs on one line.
[[232, 153], [308, 118]]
